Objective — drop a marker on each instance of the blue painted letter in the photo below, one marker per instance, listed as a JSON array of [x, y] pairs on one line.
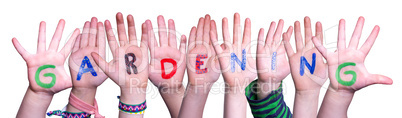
[[83, 70], [235, 59], [303, 61], [273, 61]]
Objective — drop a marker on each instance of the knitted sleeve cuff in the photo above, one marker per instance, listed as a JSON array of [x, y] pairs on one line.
[[272, 106]]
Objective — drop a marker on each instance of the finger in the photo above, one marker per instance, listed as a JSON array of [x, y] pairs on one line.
[[100, 42], [214, 41], [236, 29], [20, 49], [54, 44], [286, 38], [318, 32], [182, 47], [163, 39], [381, 79], [111, 39], [151, 39], [207, 28], [144, 37], [370, 40], [247, 32], [42, 38], [100, 62], [270, 35], [278, 32], [132, 36], [66, 50], [191, 39], [77, 43], [92, 32], [320, 47], [354, 41], [200, 28], [85, 35], [307, 30], [298, 37], [172, 34], [260, 43], [341, 35], [225, 31], [121, 30], [213, 29]]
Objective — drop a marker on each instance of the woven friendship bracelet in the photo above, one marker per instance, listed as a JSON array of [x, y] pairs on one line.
[[65, 114], [132, 109]]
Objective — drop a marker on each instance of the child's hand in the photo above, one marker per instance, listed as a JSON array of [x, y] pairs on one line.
[[312, 73], [168, 63], [46, 68], [272, 64], [46, 72], [129, 67], [235, 60], [203, 65], [84, 71], [347, 72]]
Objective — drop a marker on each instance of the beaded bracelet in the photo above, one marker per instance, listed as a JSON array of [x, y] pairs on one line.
[[132, 109], [65, 114]]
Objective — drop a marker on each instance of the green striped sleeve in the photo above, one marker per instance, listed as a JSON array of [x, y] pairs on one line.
[[272, 106]]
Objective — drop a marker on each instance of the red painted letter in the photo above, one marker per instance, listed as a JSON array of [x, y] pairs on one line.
[[198, 63], [170, 75]]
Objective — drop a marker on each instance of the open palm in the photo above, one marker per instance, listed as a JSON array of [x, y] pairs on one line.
[[242, 71], [172, 76], [91, 40], [48, 63], [272, 64], [305, 80], [119, 69], [346, 65], [207, 71]]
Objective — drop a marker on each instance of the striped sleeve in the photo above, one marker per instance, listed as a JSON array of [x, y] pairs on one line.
[[272, 106]]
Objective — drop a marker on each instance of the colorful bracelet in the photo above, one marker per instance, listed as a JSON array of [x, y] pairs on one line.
[[132, 109], [65, 114]]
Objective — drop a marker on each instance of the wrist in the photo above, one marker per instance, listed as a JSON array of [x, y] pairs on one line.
[[179, 89], [344, 94], [308, 92], [132, 95], [235, 90], [86, 95], [335, 103], [198, 89], [41, 95], [267, 86]]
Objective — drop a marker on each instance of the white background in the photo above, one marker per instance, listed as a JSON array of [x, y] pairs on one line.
[[21, 19]]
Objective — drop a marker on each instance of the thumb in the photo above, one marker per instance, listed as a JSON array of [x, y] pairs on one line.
[[100, 62], [381, 79]]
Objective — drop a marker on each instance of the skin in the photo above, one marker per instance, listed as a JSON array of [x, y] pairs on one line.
[[268, 79], [200, 84], [92, 39], [132, 86], [171, 89], [338, 97], [37, 99], [307, 86], [235, 101]]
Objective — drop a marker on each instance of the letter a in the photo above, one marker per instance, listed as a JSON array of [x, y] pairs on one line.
[[83, 70]]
